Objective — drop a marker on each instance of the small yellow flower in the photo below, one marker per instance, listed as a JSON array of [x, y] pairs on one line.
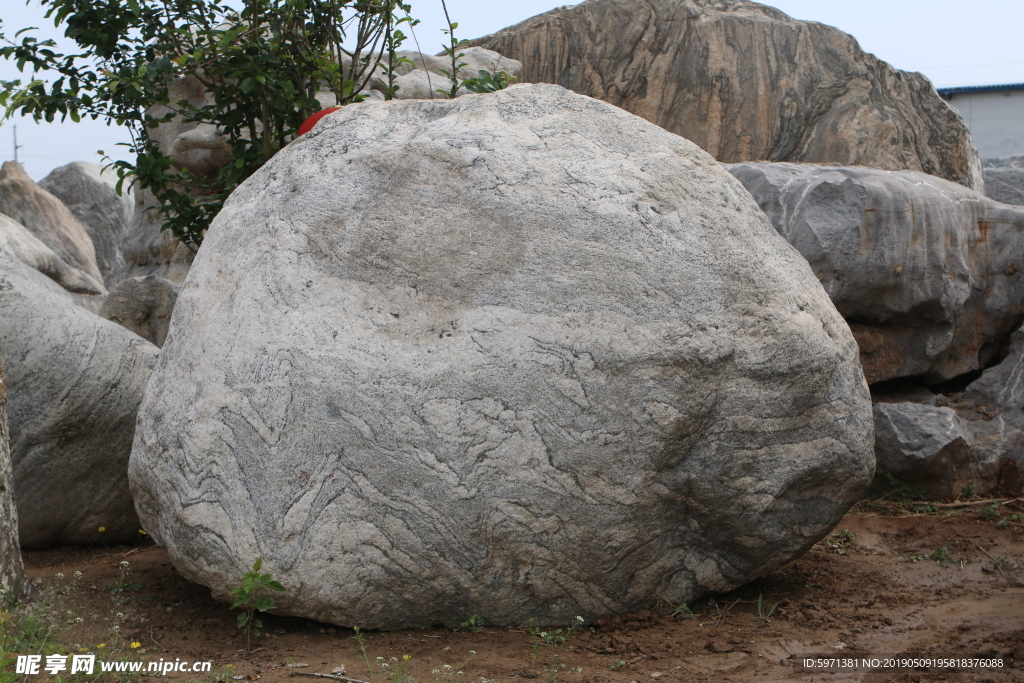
[[101, 645], [136, 645], [102, 529], [406, 657]]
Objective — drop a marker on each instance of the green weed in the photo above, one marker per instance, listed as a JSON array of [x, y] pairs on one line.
[[250, 598], [475, 624], [765, 610]]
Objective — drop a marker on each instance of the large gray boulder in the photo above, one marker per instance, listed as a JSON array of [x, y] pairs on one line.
[[74, 385], [927, 272], [27, 248], [1004, 179], [89, 193], [746, 82], [47, 218], [521, 354]]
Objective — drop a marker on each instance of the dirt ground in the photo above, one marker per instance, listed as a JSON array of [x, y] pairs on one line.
[[887, 583]]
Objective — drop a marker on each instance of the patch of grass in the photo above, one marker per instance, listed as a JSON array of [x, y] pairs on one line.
[[764, 609], [942, 556], [838, 541], [475, 624], [555, 642], [989, 512]]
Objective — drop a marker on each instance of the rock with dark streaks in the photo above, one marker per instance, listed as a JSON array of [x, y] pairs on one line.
[[568, 367], [74, 383], [746, 82], [926, 272], [12, 569]]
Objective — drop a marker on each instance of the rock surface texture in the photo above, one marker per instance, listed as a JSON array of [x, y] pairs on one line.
[[924, 270], [11, 567], [746, 82], [548, 377], [47, 218], [89, 193], [142, 305], [74, 386], [928, 446], [1004, 179]]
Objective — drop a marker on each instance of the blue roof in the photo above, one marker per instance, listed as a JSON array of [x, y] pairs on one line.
[[947, 92]]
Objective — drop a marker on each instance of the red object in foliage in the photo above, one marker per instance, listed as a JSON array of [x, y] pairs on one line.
[[308, 124]]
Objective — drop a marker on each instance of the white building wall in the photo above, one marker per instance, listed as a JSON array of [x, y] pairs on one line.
[[995, 119]]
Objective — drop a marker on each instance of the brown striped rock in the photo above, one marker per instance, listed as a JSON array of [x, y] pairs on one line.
[[746, 82]]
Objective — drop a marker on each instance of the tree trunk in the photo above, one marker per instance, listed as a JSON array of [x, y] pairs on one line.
[[11, 567]]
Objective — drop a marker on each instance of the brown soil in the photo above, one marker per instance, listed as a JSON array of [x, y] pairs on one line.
[[876, 594]]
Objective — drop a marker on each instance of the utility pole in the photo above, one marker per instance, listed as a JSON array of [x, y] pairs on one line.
[[16, 145]]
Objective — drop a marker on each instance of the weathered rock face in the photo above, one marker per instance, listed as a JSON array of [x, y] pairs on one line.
[[995, 403], [148, 250], [89, 193], [11, 567], [142, 305], [1004, 179], [550, 376], [943, 444], [74, 386], [924, 270], [26, 247], [47, 218], [927, 445], [746, 82]]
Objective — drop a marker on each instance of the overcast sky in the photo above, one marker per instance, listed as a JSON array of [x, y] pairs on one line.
[[950, 41]]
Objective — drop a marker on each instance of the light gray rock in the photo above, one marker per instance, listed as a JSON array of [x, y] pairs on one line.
[[566, 367], [1004, 179], [27, 248], [746, 82], [142, 305], [928, 446], [74, 386], [47, 218], [927, 272], [12, 569], [90, 194]]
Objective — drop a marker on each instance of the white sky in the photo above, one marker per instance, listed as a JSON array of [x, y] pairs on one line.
[[951, 41]]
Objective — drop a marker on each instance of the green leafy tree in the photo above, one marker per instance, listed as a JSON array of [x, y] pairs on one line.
[[262, 66]]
